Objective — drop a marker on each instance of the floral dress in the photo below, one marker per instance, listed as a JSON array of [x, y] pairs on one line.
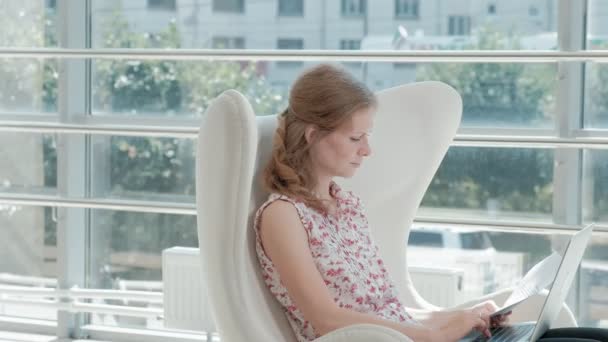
[[346, 257]]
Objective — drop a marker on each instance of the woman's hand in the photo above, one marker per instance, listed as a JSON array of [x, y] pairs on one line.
[[485, 310], [454, 325]]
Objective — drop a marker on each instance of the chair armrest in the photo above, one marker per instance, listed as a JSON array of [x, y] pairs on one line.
[[364, 333], [528, 310]]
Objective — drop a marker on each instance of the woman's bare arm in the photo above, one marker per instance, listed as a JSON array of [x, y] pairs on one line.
[[286, 243]]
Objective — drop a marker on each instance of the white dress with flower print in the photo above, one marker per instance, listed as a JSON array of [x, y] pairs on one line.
[[346, 257]]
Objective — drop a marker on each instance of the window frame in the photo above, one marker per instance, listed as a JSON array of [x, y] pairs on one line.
[[410, 14], [283, 12], [74, 213]]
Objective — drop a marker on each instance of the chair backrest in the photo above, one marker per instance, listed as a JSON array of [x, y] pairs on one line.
[[413, 128]]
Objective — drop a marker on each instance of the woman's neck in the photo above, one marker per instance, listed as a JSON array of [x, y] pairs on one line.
[[322, 189]]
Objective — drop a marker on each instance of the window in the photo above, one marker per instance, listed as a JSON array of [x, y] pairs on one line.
[[426, 239], [231, 6], [459, 25], [354, 7], [533, 11], [167, 5], [475, 240], [491, 9], [290, 44], [497, 172], [291, 7], [350, 44], [228, 43], [51, 4], [407, 8]]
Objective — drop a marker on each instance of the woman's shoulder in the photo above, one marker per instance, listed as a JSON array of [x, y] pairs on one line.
[[278, 203]]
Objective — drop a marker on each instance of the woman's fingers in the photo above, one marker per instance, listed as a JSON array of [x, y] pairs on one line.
[[484, 328], [482, 322], [490, 306]]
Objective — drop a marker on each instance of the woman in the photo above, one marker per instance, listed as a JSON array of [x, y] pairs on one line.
[[313, 241]]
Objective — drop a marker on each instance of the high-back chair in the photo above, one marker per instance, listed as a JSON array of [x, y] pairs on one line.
[[413, 129]]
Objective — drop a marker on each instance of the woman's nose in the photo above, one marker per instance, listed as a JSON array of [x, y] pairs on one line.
[[366, 150]]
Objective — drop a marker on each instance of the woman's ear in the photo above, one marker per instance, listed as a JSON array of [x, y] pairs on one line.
[[309, 133]]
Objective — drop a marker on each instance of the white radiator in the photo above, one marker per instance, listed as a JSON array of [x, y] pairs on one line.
[[185, 298], [438, 286]]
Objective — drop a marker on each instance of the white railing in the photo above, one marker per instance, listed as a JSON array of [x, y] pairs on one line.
[[42, 292]]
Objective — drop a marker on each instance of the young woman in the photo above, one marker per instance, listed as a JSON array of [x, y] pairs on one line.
[[313, 241]]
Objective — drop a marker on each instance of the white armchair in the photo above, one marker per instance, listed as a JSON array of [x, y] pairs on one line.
[[413, 129]]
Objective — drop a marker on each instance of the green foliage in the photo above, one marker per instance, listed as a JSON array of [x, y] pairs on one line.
[[496, 95], [171, 88]]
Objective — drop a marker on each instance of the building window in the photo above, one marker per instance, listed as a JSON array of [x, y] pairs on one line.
[[491, 9], [290, 44], [228, 43], [350, 44], [354, 8], [51, 4], [232, 6], [407, 8], [459, 25], [533, 11], [292, 8], [165, 5]]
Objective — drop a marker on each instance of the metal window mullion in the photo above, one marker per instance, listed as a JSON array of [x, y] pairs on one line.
[[412, 56], [71, 161], [569, 105], [567, 195]]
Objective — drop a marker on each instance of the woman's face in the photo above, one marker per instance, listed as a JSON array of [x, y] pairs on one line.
[[341, 152]]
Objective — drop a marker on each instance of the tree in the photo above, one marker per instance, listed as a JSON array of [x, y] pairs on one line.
[[496, 95], [596, 116], [150, 167]]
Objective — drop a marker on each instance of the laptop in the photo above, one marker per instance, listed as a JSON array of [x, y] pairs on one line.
[[532, 331]]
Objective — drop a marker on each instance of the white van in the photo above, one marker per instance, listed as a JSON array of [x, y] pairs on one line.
[[468, 249]]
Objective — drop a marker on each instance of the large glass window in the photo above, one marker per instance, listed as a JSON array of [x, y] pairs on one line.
[[29, 86], [596, 111], [159, 169], [492, 183], [126, 254], [123, 249], [178, 89], [30, 168], [28, 257], [438, 25], [596, 104], [469, 263], [595, 186], [29, 23]]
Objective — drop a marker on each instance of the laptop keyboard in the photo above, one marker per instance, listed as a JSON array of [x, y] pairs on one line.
[[508, 333]]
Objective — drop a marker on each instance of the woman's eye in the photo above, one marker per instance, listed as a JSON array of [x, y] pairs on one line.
[[355, 139]]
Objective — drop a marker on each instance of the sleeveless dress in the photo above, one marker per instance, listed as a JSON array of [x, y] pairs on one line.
[[346, 257]]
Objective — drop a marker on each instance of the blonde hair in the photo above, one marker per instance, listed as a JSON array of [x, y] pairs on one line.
[[324, 96]]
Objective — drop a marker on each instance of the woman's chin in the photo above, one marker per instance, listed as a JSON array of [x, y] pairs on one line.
[[348, 173]]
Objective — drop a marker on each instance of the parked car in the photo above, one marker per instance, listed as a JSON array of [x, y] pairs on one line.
[[468, 249]]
